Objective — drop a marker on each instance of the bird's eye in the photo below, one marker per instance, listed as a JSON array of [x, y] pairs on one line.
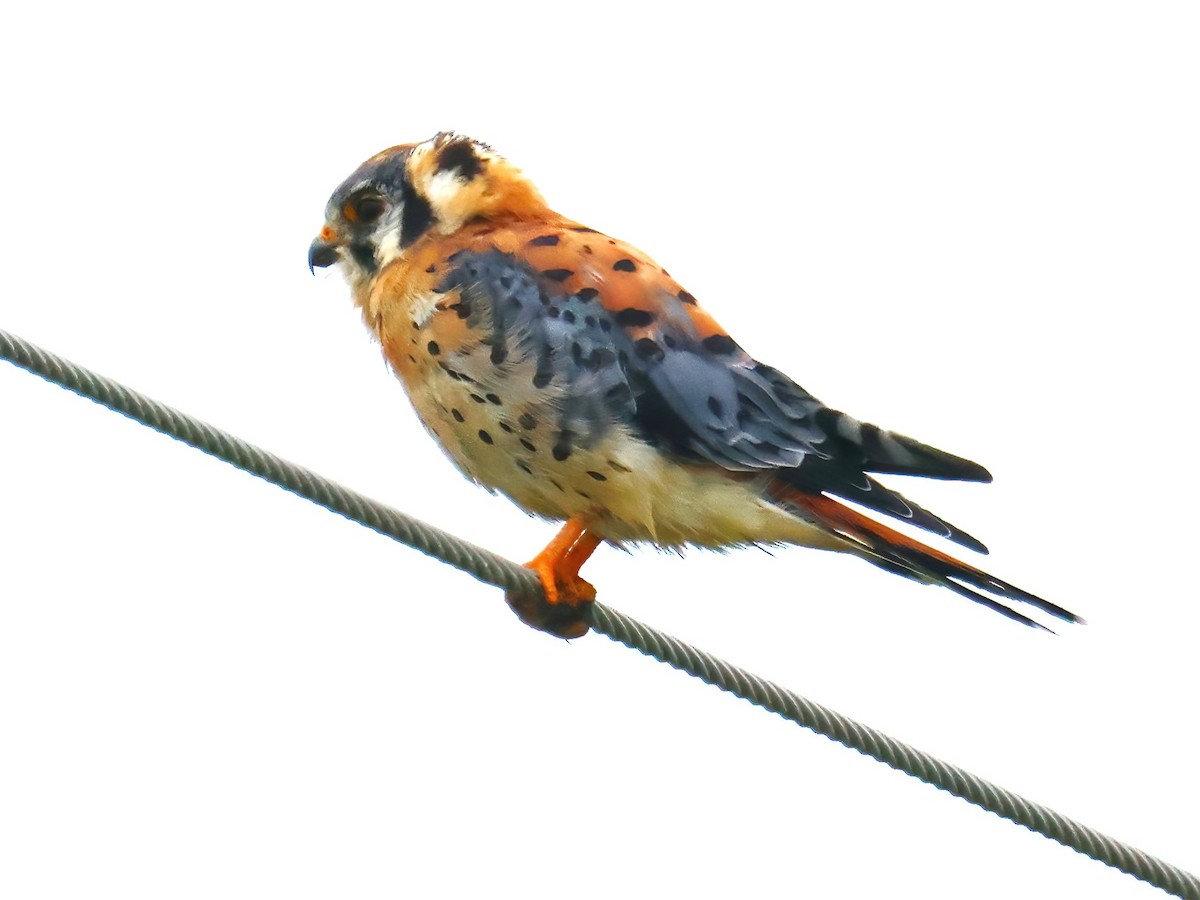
[[364, 210]]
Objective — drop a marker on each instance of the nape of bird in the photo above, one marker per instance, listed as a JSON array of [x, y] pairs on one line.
[[569, 371]]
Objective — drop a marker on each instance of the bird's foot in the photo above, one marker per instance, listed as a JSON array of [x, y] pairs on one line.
[[560, 611], [560, 608]]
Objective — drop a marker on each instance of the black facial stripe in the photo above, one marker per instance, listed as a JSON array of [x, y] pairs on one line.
[[364, 255], [416, 216]]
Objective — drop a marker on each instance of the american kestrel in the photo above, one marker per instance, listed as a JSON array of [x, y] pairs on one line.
[[569, 371]]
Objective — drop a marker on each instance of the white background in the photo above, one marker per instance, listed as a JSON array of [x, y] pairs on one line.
[[977, 227]]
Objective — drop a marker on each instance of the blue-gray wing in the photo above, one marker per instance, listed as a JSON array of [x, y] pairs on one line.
[[702, 399]]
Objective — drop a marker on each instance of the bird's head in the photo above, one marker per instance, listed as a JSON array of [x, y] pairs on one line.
[[404, 193]]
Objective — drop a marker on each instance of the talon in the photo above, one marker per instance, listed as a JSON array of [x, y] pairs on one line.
[[560, 610]]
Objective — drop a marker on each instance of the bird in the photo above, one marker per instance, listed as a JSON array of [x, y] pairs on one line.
[[568, 370]]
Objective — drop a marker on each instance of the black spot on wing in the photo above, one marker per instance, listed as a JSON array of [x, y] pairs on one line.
[[546, 240], [720, 343], [648, 349], [634, 318]]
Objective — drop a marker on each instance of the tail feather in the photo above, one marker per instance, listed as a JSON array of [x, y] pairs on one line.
[[833, 477], [904, 555]]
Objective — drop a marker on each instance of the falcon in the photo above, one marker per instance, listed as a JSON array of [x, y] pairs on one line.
[[567, 370]]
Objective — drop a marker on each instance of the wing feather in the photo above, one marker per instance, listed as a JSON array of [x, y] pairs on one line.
[[623, 342]]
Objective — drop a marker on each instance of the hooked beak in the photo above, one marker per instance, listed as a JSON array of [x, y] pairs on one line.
[[323, 251]]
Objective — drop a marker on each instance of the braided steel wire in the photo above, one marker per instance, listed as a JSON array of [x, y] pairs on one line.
[[505, 574]]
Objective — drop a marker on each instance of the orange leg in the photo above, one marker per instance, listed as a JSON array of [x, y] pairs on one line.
[[557, 568], [558, 565]]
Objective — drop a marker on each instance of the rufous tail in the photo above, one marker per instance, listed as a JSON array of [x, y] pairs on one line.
[[903, 555]]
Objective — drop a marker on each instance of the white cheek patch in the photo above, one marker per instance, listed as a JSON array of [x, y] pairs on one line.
[[440, 191], [387, 246]]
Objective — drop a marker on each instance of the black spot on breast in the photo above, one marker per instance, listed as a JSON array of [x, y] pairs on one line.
[[583, 495], [460, 155], [597, 475], [583, 229], [715, 406], [625, 265], [559, 275], [433, 348], [431, 269], [561, 450], [458, 417], [485, 437], [542, 378], [506, 428], [631, 317], [528, 445], [527, 422], [506, 281], [499, 354], [546, 240], [461, 309], [685, 297], [524, 468], [617, 467], [648, 349], [477, 398], [669, 341], [493, 398], [568, 317], [586, 295], [554, 312], [456, 254], [720, 343], [606, 325]]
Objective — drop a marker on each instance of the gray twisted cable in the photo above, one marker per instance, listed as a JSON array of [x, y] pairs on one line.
[[898, 755], [481, 563], [505, 574]]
